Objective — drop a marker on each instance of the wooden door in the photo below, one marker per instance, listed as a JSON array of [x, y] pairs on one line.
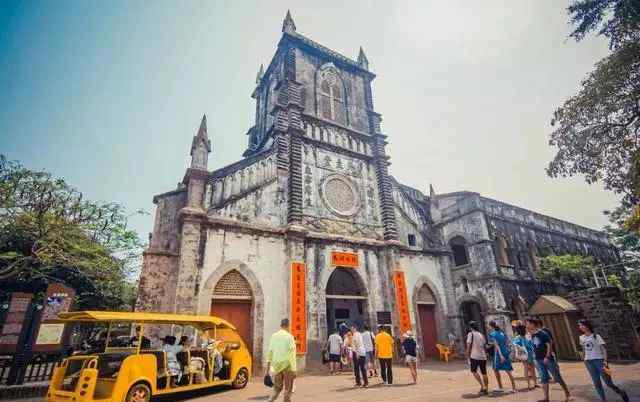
[[427, 315], [237, 312], [563, 335]]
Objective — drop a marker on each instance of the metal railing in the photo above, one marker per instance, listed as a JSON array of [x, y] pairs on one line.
[[27, 369]]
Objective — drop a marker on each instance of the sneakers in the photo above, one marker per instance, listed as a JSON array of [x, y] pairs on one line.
[[624, 396]]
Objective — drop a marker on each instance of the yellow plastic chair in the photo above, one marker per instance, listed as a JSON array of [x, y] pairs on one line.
[[444, 352]]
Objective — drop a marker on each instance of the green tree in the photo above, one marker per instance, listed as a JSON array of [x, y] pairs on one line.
[[569, 268], [614, 280], [49, 232], [597, 131], [633, 290], [617, 20]]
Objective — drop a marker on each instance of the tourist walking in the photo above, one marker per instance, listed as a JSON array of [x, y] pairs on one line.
[[334, 348], [359, 357], [384, 352], [595, 358], [281, 358], [410, 349], [523, 352], [369, 346], [545, 359], [501, 358], [347, 349], [477, 357]]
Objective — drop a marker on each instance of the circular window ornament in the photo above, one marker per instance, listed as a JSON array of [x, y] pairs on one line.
[[340, 195]]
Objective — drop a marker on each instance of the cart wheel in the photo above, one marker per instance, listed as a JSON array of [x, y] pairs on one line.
[[139, 393], [242, 378]]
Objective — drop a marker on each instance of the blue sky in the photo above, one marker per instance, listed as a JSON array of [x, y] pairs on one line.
[[109, 94]]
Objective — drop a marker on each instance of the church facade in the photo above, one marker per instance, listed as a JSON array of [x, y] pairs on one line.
[[310, 225]]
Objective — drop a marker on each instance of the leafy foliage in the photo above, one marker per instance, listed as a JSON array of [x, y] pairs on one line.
[[48, 231], [633, 290], [625, 238], [571, 268], [596, 131], [617, 20]]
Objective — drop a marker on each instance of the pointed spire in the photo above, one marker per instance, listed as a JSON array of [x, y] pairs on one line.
[[260, 74], [200, 146], [288, 25], [202, 131], [362, 59], [433, 197]]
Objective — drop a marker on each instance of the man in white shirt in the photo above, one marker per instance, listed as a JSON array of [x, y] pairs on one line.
[[334, 347], [359, 357], [477, 357], [369, 339]]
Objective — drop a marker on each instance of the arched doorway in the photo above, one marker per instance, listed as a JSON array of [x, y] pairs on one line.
[[427, 305], [346, 299], [232, 300], [470, 310]]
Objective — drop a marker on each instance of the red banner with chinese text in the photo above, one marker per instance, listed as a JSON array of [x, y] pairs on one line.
[[299, 306], [343, 259], [402, 302]]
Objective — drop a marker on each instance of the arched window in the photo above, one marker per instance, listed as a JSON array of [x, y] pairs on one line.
[[503, 250], [331, 96], [465, 284], [459, 247]]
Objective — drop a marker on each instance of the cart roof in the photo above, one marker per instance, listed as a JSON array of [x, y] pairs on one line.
[[202, 322]]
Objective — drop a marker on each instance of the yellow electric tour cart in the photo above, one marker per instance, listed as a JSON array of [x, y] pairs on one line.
[[130, 357]]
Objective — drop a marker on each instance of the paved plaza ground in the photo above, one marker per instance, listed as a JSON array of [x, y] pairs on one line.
[[438, 381]]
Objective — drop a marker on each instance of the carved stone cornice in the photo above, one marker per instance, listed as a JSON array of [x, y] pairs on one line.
[[194, 173]]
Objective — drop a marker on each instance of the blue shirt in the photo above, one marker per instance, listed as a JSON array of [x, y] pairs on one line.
[[541, 341], [409, 346]]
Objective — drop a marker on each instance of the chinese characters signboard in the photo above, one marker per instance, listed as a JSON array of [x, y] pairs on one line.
[[59, 299], [343, 259], [14, 321], [299, 306], [50, 334], [402, 302]]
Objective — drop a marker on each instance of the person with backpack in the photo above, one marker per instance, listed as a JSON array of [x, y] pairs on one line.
[[369, 344], [595, 359], [501, 355], [523, 352], [545, 358], [410, 349], [477, 357]]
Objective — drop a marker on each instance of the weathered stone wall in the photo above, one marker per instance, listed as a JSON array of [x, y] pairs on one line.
[[263, 261], [432, 271], [166, 232], [307, 66], [409, 220], [260, 205], [611, 316], [357, 212], [156, 292]]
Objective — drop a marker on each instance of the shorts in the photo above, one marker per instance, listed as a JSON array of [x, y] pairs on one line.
[[334, 358], [478, 364], [410, 359], [546, 371]]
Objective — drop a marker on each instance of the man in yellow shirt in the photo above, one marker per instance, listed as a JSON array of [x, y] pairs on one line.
[[384, 352], [282, 359]]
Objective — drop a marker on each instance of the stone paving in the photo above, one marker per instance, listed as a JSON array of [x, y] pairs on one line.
[[436, 382]]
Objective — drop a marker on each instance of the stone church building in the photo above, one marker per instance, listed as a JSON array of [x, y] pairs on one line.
[[310, 225]]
